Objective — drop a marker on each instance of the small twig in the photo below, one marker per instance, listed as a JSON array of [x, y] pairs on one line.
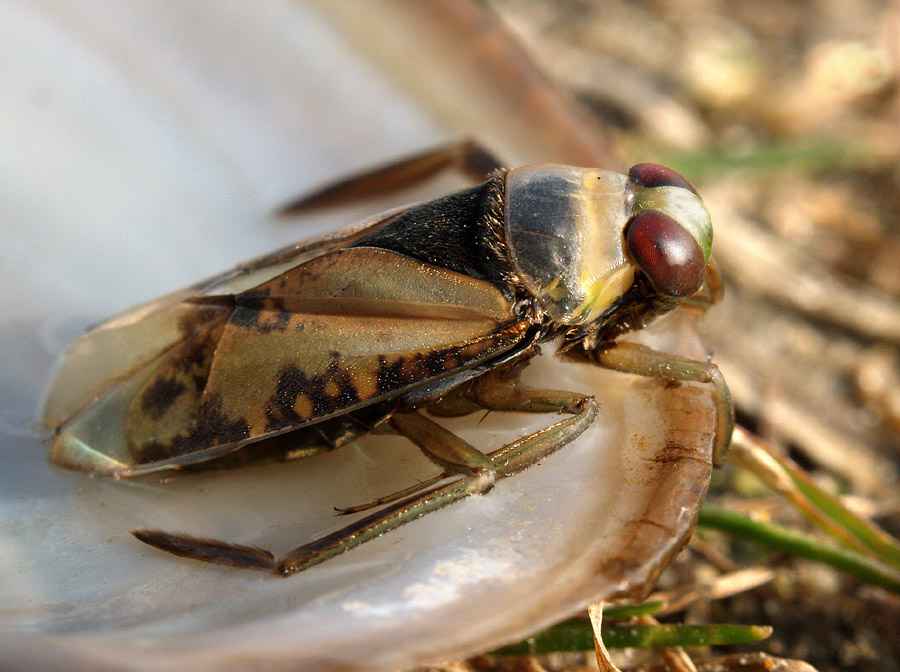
[[742, 662], [724, 586], [712, 556], [604, 661]]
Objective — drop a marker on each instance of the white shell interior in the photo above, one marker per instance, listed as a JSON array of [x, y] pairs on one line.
[[145, 144]]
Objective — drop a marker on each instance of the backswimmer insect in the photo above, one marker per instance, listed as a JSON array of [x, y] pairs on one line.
[[434, 307]]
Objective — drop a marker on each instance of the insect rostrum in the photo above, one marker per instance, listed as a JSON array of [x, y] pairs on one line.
[[437, 306]]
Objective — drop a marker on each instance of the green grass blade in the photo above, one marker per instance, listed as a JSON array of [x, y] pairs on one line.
[[801, 545], [882, 544], [810, 156], [577, 635], [620, 611], [666, 635]]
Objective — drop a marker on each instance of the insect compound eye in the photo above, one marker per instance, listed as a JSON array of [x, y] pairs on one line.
[[666, 252], [650, 175]]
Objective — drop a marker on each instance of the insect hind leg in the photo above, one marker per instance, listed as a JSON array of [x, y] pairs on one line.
[[208, 550], [504, 462]]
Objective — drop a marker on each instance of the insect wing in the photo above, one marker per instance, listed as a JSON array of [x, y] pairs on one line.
[[339, 331], [118, 348]]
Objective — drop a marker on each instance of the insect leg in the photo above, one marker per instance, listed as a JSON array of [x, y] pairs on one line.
[[643, 361], [208, 550], [506, 461], [712, 289], [441, 447], [444, 447], [504, 392], [466, 156], [494, 392], [393, 497], [501, 390]]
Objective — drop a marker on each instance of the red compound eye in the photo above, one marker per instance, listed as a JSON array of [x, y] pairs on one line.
[[666, 252], [650, 175]]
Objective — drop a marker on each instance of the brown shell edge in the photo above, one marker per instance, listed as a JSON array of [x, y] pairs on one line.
[[682, 472]]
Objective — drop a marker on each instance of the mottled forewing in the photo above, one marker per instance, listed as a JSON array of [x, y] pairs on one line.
[[347, 329], [135, 357]]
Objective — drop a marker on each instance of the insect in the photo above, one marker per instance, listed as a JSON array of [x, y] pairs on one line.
[[437, 306]]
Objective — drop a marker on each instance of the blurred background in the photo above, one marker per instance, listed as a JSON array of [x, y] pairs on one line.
[[172, 133], [785, 115]]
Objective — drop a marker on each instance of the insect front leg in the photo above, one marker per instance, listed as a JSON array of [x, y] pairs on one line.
[[502, 391], [643, 361], [711, 291], [467, 156], [499, 390]]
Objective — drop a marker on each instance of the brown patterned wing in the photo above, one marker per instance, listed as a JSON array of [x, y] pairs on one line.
[[123, 346], [343, 330]]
